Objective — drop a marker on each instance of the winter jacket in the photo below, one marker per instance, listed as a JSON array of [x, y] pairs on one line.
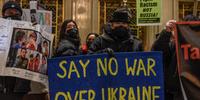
[[67, 48], [106, 40], [171, 79]]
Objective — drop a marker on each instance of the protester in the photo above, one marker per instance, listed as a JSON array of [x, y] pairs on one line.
[[89, 39], [69, 39], [13, 88], [116, 36], [166, 43], [12, 10]]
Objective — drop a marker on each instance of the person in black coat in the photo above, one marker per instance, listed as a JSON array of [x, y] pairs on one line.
[[69, 39], [90, 38], [12, 88], [117, 36], [165, 43]]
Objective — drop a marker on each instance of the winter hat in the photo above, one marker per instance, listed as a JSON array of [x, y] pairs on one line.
[[13, 5], [120, 16]]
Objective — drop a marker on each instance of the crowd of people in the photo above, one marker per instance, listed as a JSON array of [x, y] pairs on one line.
[[116, 37]]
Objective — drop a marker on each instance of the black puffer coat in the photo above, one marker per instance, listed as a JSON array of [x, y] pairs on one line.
[[106, 40], [67, 48], [68, 45]]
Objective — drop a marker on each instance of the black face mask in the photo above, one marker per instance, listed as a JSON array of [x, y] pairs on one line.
[[121, 33], [89, 43], [73, 33], [13, 17]]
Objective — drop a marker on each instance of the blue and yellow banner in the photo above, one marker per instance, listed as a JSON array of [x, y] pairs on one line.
[[127, 76]]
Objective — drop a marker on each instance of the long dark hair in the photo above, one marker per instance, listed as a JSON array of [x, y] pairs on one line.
[[87, 41], [63, 28]]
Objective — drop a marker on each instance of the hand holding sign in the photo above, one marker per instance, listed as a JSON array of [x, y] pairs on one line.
[[170, 25]]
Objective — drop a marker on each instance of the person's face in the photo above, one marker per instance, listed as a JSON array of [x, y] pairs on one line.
[[119, 24], [70, 25], [11, 12], [91, 38], [33, 37], [45, 44], [23, 53], [20, 40]]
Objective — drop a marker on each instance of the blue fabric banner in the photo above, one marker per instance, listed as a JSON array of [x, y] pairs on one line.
[[127, 76]]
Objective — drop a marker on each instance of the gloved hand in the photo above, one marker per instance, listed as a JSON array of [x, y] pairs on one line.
[[109, 51]]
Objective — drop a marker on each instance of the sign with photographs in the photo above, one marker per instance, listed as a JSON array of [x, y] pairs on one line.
[[24, 50], [42, 17]]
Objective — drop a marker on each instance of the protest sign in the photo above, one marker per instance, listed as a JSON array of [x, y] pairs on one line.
[[42, 17], [127, 76], [188, 55], [24, 50], [148, 12]]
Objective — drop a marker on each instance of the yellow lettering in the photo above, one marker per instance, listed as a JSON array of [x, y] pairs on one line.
[[131, 94], [73, 69], [91, 95], [122, 93], [113, 95], [103, 66], [154, 96], [58, 94], [63, 69], [84, 66], [130, 69], [76, 96], [69, 96], [138, 93], [110, 66], [81, 92], [146, 94], [141, 67], [150, 66], [103, 94], [109, 94]]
